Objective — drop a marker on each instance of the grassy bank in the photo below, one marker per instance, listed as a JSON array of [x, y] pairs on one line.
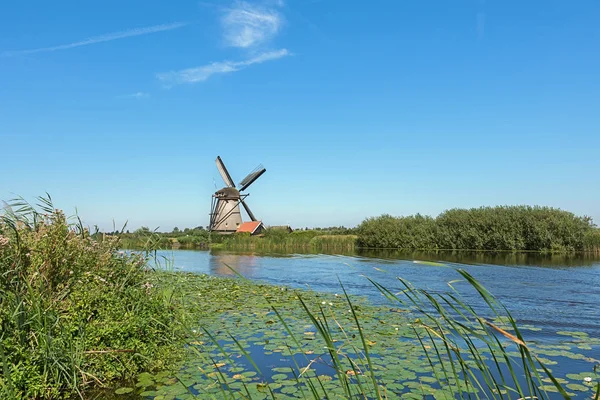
[[515, 228], [74, 312], [271, 240], [277, 240]]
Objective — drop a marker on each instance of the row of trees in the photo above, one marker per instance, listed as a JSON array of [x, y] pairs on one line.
[[515, 228]]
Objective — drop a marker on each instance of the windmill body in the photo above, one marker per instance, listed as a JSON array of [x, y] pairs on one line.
[[225, 215]]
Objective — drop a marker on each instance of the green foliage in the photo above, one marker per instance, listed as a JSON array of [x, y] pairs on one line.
[[282, 240], [591, 240], [514, 228], [144, 238], [415, 232], [74, 311]]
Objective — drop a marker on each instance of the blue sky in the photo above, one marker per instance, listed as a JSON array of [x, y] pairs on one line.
[[355, 108]]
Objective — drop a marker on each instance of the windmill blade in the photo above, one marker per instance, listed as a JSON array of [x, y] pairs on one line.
[[224, 173], [252, 217], [252, 177]]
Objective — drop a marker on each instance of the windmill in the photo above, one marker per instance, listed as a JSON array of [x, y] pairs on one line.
[[225, 216]]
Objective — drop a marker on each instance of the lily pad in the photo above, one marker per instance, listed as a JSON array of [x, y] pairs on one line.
[[124, 390]]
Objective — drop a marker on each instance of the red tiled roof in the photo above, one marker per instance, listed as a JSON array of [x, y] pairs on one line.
[[250, 226]]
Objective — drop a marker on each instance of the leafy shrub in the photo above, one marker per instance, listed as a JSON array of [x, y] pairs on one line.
[[74, 311], [487, 228]]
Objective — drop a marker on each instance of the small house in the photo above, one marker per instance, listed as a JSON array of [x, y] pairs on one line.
[[251, 227]]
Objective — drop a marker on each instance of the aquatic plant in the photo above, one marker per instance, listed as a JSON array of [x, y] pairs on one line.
[[259, 341]]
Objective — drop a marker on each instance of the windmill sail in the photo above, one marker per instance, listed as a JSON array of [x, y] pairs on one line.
[[224, 173], [252, 217], [252, 176]]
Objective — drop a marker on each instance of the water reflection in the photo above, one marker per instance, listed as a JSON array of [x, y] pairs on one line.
[[222, 263], [490, 258]]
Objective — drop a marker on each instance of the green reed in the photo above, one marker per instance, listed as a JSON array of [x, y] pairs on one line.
[[74, 312], [301, 241]]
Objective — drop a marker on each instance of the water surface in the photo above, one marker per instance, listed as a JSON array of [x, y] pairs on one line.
[[551, 292]]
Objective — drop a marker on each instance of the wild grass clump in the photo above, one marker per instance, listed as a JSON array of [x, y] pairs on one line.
[[74, 312], [506, 228], [281, 240]]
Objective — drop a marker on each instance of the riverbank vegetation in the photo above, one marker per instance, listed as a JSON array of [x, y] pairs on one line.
[[74, 312], [77, 313], [301, 240], [505, 228], [143, 238], [273, 239], [510, 228]]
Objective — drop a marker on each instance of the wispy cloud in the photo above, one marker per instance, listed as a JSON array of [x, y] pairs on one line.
[[246, 25], [136, 95], [102, 38], [200, 74]]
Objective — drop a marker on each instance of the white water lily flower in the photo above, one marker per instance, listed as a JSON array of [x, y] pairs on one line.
[[587, 379], [323, 302], [330, 304]]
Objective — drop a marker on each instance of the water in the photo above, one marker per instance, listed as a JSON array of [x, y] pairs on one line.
[[553, 293], [550, 292]]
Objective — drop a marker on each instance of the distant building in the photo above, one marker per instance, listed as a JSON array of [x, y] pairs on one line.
[[251, 227], [286, 228]]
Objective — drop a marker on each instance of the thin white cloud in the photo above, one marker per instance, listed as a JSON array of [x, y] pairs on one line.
[[102, 38], [200, 74], [136, 95], [246, 25]]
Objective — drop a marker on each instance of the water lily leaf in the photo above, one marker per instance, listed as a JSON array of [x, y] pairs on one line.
[[279, 377], [548, 388], [289, 389], [578, 387], [574, 334], [124, 390]]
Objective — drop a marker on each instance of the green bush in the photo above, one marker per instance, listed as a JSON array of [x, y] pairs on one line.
[[514, 228], [75, 312]]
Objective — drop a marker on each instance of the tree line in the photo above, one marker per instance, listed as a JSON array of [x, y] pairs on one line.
[[515, 228]]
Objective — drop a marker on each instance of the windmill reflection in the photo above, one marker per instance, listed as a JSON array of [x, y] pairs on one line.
[[221, 263]]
